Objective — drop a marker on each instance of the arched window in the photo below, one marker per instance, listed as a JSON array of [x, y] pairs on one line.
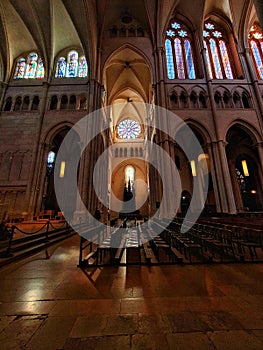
[[218, 100], [227, 100], [193, 100], [256, 44], [18, 104], [72, 102], [202, 100], [8, 104], [179, 57], [83, 67], [25, 105], [64, 102], [217, 55], [20, 69], [237, 100], [71, 67], [53, 102], [30, 68], [183, 100], [72, 64], [61, 68], [35, 103]]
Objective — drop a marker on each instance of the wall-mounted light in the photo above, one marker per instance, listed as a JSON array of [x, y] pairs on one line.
[[62, 169], [245, 168], [253, 191], [193, 167]]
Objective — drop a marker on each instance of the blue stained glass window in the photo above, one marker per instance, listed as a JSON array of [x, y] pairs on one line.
[[179, 58], [225, 59], [169, 59], [31, 66], [61, 68], [189, 60], [215, 58], [72, 64], [129, 129], [208, 61], [257, 58], [20, 69]]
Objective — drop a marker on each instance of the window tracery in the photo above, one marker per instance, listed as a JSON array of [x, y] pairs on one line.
[[71, 67], [30, 68], [179, 56], [256, 44], [217, 55], [129, 129]]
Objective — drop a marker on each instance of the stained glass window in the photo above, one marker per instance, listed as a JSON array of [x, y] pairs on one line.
[[208, 61], [129, 129], [217, 55], [83, 68], [256, 44], [30, 68], [225, 59], [61, 68], [169, 59], [179, 57], [72, 64], [20, 69], [40, 70], [72, 67], [189, 60], [215, 58]]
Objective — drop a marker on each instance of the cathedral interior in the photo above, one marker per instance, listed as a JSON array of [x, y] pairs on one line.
[[171, 92], [60, 62]]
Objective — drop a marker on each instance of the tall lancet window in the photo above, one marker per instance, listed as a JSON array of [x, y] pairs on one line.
[[256, 44], [217, 54], [179, 55]]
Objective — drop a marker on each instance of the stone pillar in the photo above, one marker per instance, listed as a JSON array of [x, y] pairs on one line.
[[214, 176], [37, 157], [254, 80], [221, 165], [3, 92]]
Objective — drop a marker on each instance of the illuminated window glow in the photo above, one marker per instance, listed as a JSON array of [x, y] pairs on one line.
[[217, 55], [30, 68], [179, 57], [256, 44], [129, 129], [72, 66]]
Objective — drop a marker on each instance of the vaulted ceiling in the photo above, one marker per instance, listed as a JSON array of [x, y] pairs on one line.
[[50, 26]]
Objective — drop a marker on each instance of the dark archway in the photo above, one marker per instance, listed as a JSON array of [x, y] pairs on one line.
[[244, 169]]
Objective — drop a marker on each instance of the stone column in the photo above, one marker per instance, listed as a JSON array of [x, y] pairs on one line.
[[37, 157], [254, 80], [214, 176], [3, 92], [221, 165]]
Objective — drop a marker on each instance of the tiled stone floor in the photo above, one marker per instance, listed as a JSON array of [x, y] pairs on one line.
[[51, 304]]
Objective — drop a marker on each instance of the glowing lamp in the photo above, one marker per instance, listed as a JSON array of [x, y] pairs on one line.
[[245, 169], [193, 167], [62, 169]]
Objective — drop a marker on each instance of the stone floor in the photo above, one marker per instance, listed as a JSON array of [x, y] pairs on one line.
[[51, 304]]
